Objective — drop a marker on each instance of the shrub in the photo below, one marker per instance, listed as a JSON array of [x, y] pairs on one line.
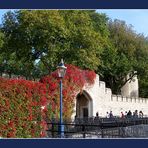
[[26, 105], [20, 108]]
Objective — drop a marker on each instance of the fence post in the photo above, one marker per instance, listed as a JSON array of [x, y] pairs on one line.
[[83, 130], [102, 132], [122, 132], [52, 130]]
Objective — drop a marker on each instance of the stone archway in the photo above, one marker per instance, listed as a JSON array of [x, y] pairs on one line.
[[84, 105]]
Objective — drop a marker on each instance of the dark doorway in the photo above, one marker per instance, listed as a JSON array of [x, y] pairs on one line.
[[84, 106], [85, 112]]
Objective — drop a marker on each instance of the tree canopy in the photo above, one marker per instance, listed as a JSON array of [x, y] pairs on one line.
[[32, 42], [46, 36]]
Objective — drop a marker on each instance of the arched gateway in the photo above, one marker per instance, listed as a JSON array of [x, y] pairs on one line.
[[84, 105]]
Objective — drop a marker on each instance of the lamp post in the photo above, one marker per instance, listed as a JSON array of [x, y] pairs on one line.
[[61, 72]]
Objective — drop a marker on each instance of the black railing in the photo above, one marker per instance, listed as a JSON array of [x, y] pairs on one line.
[[95, 128]]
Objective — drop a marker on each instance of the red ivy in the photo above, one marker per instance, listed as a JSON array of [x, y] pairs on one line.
[[24, 105], [73, 82]]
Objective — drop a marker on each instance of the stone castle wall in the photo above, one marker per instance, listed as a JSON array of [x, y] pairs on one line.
[[103, 100]]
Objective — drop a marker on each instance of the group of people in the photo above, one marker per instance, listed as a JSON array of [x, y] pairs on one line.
[[109, 114], [128, 114]]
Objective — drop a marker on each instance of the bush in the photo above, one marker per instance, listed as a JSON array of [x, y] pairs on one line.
[[25, 105], [20, 108]]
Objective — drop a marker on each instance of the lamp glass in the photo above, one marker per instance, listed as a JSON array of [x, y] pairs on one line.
[[61, 69], [61, 72]]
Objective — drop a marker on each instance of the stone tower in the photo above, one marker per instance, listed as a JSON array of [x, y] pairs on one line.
[[131, 88]]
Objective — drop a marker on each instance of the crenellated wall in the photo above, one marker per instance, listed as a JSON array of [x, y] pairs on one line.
[[103, 100]]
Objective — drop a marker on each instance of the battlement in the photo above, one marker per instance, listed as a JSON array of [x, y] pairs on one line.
[[100, 99], [119, 98], [102, 84], [108, 91]]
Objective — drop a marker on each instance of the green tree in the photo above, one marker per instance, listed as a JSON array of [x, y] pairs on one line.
[[126, 54], [86, 43], [34, 35], [1, 55], [1, 39], [47, 36]]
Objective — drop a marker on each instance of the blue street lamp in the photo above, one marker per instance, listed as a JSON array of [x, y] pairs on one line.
[[61, 72]]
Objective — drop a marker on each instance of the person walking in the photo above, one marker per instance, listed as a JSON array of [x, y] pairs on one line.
[[122, 115], [111, 114], [107, 114]]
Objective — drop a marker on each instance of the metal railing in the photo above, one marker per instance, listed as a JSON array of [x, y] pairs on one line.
[[97, 127]]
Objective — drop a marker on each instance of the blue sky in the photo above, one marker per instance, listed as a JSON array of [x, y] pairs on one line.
[[138, 18], [2, 11]]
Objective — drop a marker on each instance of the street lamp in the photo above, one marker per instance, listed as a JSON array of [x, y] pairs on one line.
[[61, 72]]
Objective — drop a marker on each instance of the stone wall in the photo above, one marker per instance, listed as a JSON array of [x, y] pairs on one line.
[[103, 100]]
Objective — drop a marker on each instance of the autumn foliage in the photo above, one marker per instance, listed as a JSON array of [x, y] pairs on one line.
[[25, 106]]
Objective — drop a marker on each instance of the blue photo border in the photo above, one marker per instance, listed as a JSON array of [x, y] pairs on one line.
[[73, 4], [69, 143]]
